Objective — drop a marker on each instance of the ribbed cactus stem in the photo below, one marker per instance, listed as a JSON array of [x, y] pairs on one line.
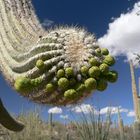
[[121, 126], [51, 119], [134, 91], [51, 125], [136, 130], [139, 99]]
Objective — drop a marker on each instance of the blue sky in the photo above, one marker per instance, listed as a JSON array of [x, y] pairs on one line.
[[95, 16]]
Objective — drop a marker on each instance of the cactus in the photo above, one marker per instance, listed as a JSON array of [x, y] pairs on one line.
[[51, 125], [136, 100], [47, 66], [134, 92], [7, 121], [121, 126]]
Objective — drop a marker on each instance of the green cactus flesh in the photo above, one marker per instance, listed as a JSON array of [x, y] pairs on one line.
[[61, 67]]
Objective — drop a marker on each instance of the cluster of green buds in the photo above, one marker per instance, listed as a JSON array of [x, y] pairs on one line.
[[67, 65]]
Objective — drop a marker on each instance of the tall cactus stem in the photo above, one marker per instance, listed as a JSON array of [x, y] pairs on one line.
[[121, 126]]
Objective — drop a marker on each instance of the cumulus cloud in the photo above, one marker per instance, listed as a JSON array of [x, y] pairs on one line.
[[123, 35], [112, 110], [131, 114], [85, 108], [64, 116], [47, 23], [55, 110]]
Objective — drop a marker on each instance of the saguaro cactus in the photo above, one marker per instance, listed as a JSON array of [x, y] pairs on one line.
[[7, 121], [134, 92], [59, 67], [121, 126], [136, 104]]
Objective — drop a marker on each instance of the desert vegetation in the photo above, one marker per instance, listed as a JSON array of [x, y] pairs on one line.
[[93, 127]]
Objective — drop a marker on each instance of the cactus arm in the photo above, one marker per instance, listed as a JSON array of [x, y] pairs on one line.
[[7, 121], [19, 30]]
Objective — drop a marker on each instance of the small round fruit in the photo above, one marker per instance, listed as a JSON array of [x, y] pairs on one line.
[[101, 85], [90, 83], [23, 84], [93, 62], [104, 68], [40, 64], [80, 87], [63, 83], [98, 52], [94, 71], [36, 82], [112, 76], [109, 60], [69, 71], [104, 51], [84, 70], [60, 73], [49, 87], [70, 94]]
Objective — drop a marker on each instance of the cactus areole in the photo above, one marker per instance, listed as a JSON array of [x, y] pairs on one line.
[[59, 66]]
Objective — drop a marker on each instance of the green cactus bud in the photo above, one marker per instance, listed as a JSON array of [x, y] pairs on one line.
[[49, 87], [109, 60], [93, 62], [70, 94], [94, 71], [23, 84], [104, 51], [80, 87], [63, 83], [101, 85], [98, 52], [104, 68], [112, 76], [60, 73], [84, 70], [40, 64], [90, 84], [69, 71], [36, 82]]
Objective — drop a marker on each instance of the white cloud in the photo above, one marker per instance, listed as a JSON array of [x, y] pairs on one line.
[[112, 110], [131, 114], [123, 35], [85, 108], [47, 23], [64, 116], [55, 110]]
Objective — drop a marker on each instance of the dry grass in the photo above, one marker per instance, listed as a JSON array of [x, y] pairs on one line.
[[88, 128]]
